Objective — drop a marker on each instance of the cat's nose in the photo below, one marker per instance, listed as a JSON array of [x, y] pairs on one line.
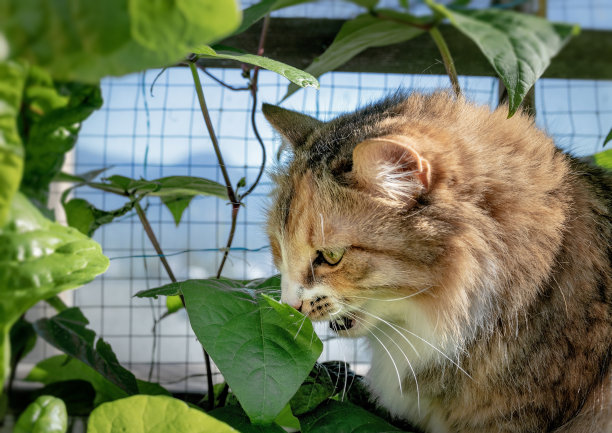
[[297, 305]]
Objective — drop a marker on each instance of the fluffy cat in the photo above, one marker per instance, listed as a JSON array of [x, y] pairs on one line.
[[473, 255]]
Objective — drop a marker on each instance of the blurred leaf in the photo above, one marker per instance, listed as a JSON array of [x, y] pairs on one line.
[[81, 178], [264, 349], [39, 259], [12, 81], [235, 417], [46, 415], [61, 368], [86, 218], [67, 332], [608, 137], [604, 159], [173, 304], [355, 36], [255, 12], [77, 395], [156, 414], [84, 41], [317, 388], [50, 121], [295, 75], [518, 46], [23, 340], [368, 4], [334, 416]]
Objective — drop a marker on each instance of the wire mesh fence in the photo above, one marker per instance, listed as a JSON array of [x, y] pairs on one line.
[[152, 128]]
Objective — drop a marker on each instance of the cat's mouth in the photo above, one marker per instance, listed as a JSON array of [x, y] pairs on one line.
[[342, 323]]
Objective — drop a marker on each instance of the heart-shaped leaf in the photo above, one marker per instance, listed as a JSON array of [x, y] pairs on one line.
[[264, 349], [518, 46], [152, 414], [39, 259]]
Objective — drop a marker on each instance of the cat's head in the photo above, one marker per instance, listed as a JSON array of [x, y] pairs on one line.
[[383, 214]]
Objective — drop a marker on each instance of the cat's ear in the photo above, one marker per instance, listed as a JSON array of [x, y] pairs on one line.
[[293, 126], [391, 167]]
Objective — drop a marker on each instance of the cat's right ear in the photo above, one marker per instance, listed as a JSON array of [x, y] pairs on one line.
[[293, 126]]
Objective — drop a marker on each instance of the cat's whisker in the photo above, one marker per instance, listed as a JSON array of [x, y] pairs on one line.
[[416, 381], [300, 328], [392, 299], [322, 229]]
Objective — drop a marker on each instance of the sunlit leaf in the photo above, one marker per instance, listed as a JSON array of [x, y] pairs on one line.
[[39, 259], [298, 77], [46, 414], [604, 159], [156, 414], [84, 40], [518, 46]]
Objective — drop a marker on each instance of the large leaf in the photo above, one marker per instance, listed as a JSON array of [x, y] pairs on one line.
[[12, 81], [317, 388], [46, 414], [39, 259], [356, 35], [85, 40], [62, 368], [518, 46], [263, 348], [49, 124], [334, 416], [297, 76], [67, 331], [152, 414]]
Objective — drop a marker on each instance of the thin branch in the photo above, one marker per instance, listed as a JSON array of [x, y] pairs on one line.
[[253, 86], [230, 239], [218, 80], [198, 85], [446, 58]]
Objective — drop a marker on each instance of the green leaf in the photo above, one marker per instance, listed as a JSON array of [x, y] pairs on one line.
[[84, 41], [173, 304], [67, 332], [368, 4], [155, 414], [287, 420], [235, 417], [264, 349], [518, 46], [39, 259], [12, 81], [171, 186], [177, 205], [46, 414], [334, 416], [608, 138], [355, 36], [317, 388], [604, 159], [23, 340], [171, 289], [298, 77], [255, 12], [87, 218], [61, 368], [50, 122]]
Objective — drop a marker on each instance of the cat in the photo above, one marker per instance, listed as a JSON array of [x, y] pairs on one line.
[[473, 255]]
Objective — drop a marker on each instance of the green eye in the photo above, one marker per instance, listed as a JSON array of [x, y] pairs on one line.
[[333, 257]]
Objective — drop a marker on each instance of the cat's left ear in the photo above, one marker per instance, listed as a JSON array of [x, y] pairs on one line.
[[294, 127], [391, 167]]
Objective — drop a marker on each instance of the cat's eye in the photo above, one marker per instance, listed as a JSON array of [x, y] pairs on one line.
[[332, 257]]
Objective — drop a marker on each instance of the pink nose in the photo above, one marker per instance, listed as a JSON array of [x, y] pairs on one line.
[[297, 305]]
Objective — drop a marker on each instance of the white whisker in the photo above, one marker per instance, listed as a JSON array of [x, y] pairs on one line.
[[393, 299]]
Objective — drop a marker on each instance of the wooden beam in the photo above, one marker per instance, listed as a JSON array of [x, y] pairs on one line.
[[297, 41]]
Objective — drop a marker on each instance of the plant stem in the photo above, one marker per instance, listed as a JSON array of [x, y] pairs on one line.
[[198, 85], [446, 58], [230, 238]]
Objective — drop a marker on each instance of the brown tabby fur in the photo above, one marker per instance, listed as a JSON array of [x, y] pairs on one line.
[[504, 241]]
